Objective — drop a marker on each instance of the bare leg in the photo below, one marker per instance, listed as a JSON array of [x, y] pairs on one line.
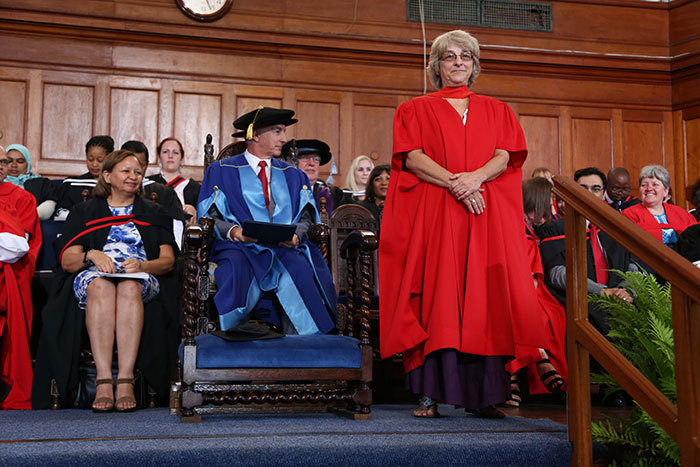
[[129, 324], [100, 323]]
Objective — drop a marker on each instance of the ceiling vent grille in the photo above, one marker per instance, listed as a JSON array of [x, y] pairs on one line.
[[502, 14]]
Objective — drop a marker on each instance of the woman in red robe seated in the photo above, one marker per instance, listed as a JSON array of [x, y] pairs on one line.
[[547, 369], [20, 240], [456, 291], [664, 221]]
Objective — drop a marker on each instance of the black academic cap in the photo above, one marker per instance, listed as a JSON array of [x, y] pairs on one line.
[[261, 118], [309, 146]]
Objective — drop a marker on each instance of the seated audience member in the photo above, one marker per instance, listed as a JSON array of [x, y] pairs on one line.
[[542, 172], [694, 198], [287, 285], [115, 232], [311, 155], [664, 221], [164, 195], [603, 253], [544, 375], [71, 192], [689, 244], [19, 172], [377, 186], [171, 156], [355, 182], [20, 239], [617, 194]]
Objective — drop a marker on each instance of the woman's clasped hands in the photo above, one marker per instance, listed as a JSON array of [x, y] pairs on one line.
[[466, 187]]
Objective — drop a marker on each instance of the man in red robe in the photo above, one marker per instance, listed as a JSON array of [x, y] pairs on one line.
[[456, 292], [20, 239]]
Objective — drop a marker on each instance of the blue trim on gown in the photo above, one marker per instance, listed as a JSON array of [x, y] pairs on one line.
[[264, 281]]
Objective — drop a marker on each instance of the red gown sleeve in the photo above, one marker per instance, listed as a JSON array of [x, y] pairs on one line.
[[511, 137]]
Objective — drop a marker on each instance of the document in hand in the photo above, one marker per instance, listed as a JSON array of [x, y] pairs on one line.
[[267, 233], [125, 275]]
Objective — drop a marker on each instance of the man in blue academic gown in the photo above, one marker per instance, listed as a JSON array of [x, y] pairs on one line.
[[289, 284]]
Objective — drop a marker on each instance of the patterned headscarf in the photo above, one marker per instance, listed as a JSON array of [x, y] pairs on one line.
[[20, 179]]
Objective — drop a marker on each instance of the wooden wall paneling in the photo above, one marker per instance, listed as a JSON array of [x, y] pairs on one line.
[[344, 156], [319, 118], [135, 110], [566, 141], [691, 135], [249, 97], [643, 143], [68, 116], [592, 139], [35, 117], [14, 98], [373, 124], [642, 138], [543, 136], [198, 111]]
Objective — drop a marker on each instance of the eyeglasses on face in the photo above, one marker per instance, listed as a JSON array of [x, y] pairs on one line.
[[309, 157], [451, 56], [4, 162], [592, 188]]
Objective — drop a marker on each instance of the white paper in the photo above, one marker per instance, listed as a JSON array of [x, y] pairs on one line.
[[125, 275]]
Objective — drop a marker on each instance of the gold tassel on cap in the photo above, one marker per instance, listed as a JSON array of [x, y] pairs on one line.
[[249, 131]]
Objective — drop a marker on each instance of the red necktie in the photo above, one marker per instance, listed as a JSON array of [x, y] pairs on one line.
[[262, 175], [601, 275]]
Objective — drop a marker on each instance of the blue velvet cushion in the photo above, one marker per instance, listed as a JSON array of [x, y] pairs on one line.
[[315, 351]]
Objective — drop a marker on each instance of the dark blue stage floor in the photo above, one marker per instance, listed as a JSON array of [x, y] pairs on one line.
[[391, 437]]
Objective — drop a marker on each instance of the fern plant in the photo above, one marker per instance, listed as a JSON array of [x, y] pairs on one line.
[[643, 332]]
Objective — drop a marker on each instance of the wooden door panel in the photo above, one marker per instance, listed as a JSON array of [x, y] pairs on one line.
[[197, 115], [592, 144], [542, 136], [13, 95], [67, 121], [134, 116], [320, 120]]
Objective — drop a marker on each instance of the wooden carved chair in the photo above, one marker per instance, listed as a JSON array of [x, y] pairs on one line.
[[312, 373]]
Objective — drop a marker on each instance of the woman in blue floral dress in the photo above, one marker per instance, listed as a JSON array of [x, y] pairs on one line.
[[130, 244]]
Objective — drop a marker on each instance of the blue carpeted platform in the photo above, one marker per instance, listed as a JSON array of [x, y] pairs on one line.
[[391, 437]]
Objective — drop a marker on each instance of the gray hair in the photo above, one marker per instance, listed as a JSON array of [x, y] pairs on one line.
[[462, 39], [658, 172]]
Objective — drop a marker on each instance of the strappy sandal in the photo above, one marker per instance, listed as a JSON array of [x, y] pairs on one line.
[[551, 379], [125, 399], [515, 397], [427, 408], [103, 400]]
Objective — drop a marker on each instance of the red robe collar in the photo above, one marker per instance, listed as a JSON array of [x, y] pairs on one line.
[[459, 92]]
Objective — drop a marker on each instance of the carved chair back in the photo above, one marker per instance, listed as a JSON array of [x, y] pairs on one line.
[[343, 220]]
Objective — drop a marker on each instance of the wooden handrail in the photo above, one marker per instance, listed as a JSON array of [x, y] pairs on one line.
[[664, 261], [682, 423]]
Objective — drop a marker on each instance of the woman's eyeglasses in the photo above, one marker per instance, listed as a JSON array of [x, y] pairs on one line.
[[451, 56]]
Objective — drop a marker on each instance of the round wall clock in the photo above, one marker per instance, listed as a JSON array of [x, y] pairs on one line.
[[204, 10]]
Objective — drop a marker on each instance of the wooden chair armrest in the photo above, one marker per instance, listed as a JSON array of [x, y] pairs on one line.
[[359, 246], [196, 248]]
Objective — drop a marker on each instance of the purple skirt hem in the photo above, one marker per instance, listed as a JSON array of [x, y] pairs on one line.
[[460, 379]]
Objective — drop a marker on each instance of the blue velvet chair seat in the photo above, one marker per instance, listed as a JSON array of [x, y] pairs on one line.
[[316, 351]]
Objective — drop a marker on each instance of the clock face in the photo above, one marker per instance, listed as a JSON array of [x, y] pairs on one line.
[[204, 10]]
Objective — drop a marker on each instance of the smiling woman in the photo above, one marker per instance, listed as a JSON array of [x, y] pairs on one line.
[[445, 260], [19, 172], [115, 232], [664, 221]]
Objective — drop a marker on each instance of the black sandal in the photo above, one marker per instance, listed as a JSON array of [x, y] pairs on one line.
[[427, 406], [515, 397], [551, 379]]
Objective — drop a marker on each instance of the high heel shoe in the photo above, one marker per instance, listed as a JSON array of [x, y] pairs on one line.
[[549, 376], [103, 400], [122, 401]]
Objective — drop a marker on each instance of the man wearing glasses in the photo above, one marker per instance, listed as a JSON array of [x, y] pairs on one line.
[[311, 155], [20, 239], [603, 254]]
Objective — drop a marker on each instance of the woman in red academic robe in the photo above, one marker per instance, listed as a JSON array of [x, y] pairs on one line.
[[547, 369], [664, 221], [456, 292], [20, 240]]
